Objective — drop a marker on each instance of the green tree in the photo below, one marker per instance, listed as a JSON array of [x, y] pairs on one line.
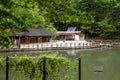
[[19, 14], [59, 12], [97, 21], [5, 41], [115, 16]]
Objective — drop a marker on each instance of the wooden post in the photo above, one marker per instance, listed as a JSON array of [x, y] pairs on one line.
[[7, 68], [79, 68], [44, 69]]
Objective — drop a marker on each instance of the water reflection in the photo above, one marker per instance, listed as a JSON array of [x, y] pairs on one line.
[[71, 52], [34, 53], [68, 52]]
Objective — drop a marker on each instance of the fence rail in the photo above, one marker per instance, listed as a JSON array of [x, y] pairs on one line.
[[64, 45]]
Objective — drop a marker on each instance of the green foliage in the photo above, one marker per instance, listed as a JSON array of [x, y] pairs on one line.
[[2, 62], [17, 14], [97, 21], [96, 18], [21, 14], [51, 28], [57, 10], [33, 66], [5, 41]]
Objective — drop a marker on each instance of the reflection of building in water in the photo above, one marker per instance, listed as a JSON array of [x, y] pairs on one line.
[[71, 52]]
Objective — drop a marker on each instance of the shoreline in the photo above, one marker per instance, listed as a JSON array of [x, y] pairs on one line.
[[56, 49], [62, 45]]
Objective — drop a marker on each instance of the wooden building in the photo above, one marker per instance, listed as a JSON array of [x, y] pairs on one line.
[[15, 37], [30, 36], [35, 36]]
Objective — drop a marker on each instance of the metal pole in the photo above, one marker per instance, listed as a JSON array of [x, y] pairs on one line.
[[44, 69], [79, 69], [7, 68]]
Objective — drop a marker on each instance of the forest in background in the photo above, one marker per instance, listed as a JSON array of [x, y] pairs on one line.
[[96, 18]]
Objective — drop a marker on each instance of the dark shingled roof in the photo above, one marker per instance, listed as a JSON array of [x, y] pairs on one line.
[[37, 32], [14, 33]]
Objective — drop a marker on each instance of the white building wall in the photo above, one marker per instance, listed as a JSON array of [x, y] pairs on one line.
[[76, 37]]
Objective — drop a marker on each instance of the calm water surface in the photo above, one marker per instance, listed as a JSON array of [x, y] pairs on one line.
[[105, 60]]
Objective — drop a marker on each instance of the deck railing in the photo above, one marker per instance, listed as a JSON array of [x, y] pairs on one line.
[[88, 44], [55, 45]]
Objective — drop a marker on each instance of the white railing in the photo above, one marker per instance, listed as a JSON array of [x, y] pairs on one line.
[[56, 45]]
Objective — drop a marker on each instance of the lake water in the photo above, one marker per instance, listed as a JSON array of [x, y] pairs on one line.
[[96, 64]]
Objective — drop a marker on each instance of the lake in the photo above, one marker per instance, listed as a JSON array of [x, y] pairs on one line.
[[96, 64]]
